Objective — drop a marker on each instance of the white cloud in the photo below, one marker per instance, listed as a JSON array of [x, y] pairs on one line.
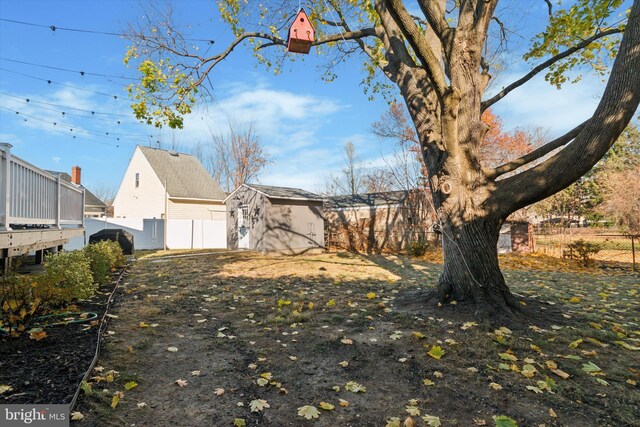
[[537, 103], [56, 160]]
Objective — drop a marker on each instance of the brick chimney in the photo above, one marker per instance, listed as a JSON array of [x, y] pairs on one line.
[[75, 175]]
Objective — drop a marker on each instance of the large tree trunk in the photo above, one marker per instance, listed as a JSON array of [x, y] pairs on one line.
[[471, 273]]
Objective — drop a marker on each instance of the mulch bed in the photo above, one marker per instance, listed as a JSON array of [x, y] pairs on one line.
[[49, 371]]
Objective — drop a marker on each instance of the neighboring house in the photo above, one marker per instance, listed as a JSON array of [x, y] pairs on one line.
[[93, 206], [160, 183], [376, 222], [274, 219]]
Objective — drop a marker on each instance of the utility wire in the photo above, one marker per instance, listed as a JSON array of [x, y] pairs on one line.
[[82, 73], [116, 97], [117, 136], [92, 112], [66, 114], [54, 28]]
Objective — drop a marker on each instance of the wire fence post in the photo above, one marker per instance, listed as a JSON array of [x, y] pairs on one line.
[[633, 251]]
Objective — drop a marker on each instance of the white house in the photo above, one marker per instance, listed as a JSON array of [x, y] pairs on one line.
[[166, 184]]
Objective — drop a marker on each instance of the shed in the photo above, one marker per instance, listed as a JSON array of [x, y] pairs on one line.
[[274, 219]]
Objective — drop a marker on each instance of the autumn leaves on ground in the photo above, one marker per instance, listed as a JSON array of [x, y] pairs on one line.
[[224, 339]]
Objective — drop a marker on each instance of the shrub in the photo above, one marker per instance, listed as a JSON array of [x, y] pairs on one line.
[[19, 303], [583, 250], [417, 248], [104, 256], [67, 276]]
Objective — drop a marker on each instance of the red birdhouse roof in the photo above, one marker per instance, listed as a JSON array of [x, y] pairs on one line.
[[301, 34]]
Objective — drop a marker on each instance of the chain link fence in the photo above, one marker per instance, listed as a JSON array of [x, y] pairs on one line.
[[623, 249]]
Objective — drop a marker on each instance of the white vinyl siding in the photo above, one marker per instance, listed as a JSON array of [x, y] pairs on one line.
[[191, 209], [147, 199]]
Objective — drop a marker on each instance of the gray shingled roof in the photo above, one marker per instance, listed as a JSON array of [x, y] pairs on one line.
[[367, 199], [185, 175], [285, 192], [90, 199]]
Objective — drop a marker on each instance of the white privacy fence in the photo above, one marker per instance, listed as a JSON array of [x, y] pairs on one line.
[[149, 233], [32, 196]]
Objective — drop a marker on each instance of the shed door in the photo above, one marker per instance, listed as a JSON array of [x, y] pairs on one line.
[[243, 227]]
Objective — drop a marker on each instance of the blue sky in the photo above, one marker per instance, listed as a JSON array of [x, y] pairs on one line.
[[303, 121]]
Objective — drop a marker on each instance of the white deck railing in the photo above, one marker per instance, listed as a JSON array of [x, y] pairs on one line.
[[32, 196]]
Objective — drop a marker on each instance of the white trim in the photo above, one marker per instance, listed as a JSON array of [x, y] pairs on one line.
[[195, 199]]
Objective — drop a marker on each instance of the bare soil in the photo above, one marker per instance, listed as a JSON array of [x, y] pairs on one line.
[[295, 321]]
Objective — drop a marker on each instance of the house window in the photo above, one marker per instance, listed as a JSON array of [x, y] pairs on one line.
[[137, 179]]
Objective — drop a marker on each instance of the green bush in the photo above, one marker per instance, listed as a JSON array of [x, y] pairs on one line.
[[583, 250], [104, 256], [67, 276], [19, 303], [417, 248]]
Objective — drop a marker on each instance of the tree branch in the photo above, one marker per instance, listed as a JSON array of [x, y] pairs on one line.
[[419, 43], [546, 64], [434, 12], [493, 173], [617, 106]]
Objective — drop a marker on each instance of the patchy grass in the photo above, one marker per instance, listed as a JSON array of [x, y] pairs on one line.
[[292, 336]]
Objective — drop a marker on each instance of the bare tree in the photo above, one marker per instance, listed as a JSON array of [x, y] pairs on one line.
[[351, 179], [105, 192], [622, 198], [234, 157]]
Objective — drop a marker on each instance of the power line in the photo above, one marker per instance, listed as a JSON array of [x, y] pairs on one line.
[[117, 136], [82, 73], [116, 97], [66, 114], [55, 28], [92, 112]]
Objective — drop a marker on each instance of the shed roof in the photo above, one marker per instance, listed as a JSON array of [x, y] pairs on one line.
[[288, 193], [367, 199], [184, 174]]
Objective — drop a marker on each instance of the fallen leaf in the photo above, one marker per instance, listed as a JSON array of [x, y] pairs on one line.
[[130, 385], [504, 421], [355, 387], [344, 363], [436, 352], [172, 349], [218, 392], [495, 386], [76, 416], [181, 383], [37, 335], [141, 405], [412, 410], [258, 405], [327, 406], [308, 412], [432, 421], [196, 373], [116, 398], [346, 341], [343, 403], [5, 388], [239, 422]]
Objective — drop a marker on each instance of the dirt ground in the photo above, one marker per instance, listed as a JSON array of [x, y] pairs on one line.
[[202, 339]]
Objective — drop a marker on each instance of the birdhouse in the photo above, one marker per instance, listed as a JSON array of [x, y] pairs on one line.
[[301, 34]]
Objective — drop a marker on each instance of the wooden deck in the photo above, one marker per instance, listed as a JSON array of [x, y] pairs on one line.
[[37, 210]]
